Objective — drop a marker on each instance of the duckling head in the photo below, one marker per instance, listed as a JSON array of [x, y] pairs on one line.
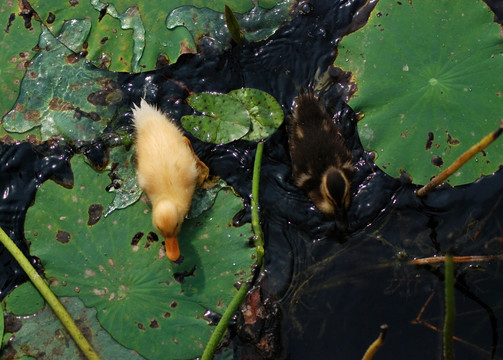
[[168, 221], [335, 190], [335, 187]]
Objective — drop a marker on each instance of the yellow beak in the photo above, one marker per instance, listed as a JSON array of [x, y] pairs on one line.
[[172, 249]]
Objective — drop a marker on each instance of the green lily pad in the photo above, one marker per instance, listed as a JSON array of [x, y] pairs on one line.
[[123, 179], [62, 95], [17, 41], [117, 265], [128, 35], [204, 199], [257, 24], [43, 333], [429, 85], [265, 113], [248, 114], [24, 300], [224, 118]]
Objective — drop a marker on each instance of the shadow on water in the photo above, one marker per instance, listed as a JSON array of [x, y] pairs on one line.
[[328, 292]]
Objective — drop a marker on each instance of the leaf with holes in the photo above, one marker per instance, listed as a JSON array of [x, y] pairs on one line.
[[117, 265], [43, 333], [429, 85], [248, 114], [62, 95]]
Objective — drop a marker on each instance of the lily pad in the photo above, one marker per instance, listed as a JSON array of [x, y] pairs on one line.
[[128, 35], [257, 24], [264, 111], [17, 41], [118, 265], [429, 85], [248, 114], [24, 300], [44, 335], [123, 179], [61, 94], [223, 118]]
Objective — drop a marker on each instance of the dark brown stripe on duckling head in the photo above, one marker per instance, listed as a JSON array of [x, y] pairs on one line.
[[336, 186]]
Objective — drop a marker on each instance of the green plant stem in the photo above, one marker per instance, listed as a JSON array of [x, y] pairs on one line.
[[220, 329], [49, 296], [450, 308], [255, 216]]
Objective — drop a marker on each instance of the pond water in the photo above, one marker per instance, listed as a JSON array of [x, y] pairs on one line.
[[326, 292]]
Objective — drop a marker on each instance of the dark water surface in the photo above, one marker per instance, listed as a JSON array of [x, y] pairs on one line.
[[329, 291]]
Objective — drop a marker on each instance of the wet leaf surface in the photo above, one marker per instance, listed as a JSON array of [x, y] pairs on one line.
[[118, 267], [209, 24], [248, 114], [16, 54], [26, 300], [61, 94], [427, 85], [223, 118], [54, 342], [122, 179]]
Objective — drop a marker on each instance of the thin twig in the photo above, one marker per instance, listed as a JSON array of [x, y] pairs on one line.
[[457, 259], [460, 161], [49, 297]]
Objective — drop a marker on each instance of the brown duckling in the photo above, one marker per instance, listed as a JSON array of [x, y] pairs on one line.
[[322, 165]]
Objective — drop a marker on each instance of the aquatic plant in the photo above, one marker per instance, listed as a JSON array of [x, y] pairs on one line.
[[426, 85]]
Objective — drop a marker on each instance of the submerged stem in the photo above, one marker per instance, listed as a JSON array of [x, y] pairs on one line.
[[450, 308], [49, 297]]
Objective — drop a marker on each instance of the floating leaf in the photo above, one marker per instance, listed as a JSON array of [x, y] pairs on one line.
[[123, 179], [258, 24], [204, 199], [429, 85], [248, 114], [265, 113], [43, 333], [61, 94], [119, 31], [24, 301], [128, 35], [224, 118], [17, 43], [117, 264]]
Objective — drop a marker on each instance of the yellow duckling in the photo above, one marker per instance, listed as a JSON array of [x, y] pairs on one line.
[[322, 165], [166, 168]]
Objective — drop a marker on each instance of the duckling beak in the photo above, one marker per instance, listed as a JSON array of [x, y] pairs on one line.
[[172, 249]]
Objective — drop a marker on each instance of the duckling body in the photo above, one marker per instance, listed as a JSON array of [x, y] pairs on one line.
[[322, 165], [166, 171]]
